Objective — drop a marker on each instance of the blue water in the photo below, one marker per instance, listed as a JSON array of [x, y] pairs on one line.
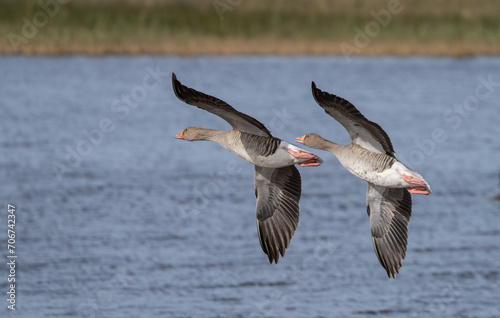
[[116, 218]]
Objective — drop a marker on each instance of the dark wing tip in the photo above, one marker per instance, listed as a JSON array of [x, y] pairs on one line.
[[273, 243], [275, 234], [390, 248], [324, 99], [268, 242], [277, 221], [329, 101], [315, 92], [181, 91], [391, 263], [177, 86], [174, 80]]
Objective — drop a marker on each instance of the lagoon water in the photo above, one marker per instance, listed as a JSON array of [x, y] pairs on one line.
[[138, 224]]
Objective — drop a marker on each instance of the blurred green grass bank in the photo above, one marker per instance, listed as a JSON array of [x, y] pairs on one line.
[[225, 27]]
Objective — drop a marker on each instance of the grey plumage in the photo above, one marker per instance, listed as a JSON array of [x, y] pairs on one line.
[[372, 161], [389, 210], [278, 194], [371, 157], [263, 146], [236, 119], [277, 190], [362, 131]]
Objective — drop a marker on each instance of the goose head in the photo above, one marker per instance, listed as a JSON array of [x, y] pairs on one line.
[[313, 140], [195, 134]]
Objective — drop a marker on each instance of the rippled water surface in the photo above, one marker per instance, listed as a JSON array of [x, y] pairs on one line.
[[116, 218]]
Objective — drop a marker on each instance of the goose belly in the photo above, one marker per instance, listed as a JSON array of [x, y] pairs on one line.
[[280, 158], [387, 178]]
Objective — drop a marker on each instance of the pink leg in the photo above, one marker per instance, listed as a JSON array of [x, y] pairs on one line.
[[412, 180], [301, 154], [309, 163], [420, 186], [418, 190]]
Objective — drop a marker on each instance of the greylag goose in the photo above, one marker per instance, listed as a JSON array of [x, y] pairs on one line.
[[277, 180], [371, 157]]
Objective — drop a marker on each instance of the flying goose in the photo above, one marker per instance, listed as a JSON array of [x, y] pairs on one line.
[[370, 157], [277, 180]]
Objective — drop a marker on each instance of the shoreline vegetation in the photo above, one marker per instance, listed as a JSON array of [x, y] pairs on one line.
[[243, 27]]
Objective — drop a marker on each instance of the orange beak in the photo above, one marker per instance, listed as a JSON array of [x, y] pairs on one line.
[[300, 139], [179, 135]]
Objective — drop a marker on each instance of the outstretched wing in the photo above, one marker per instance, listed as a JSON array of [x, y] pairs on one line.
[[237, 120], [362, 131], [278, 193], [389, 210]]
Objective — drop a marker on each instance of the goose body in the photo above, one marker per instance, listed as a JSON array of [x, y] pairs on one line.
[[277, 181], [371, 157], [376, 168], [261, 151]]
